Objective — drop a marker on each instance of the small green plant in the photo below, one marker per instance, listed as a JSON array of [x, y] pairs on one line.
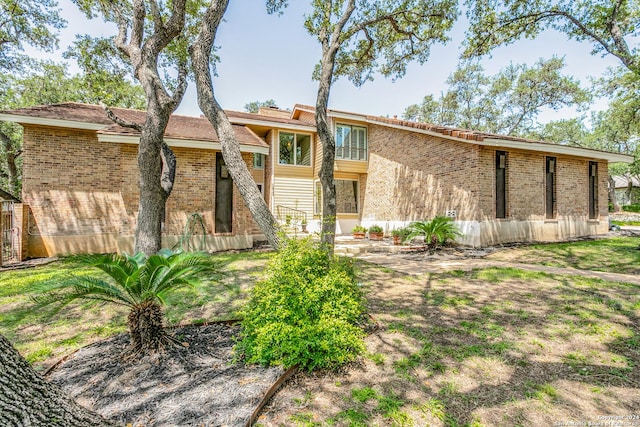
[[436, 232], [359, 229], [401, 233], [306, 312], [375, 228], [138, 282], [363, 394]]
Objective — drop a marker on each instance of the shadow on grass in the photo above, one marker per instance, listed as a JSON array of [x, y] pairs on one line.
[[500, 347]]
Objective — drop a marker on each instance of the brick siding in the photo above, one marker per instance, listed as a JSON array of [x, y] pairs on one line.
[[76, 185], [414, 176]]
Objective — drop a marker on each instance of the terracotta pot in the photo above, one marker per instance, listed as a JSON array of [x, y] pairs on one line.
[[375, 236], [358, 235], [397, 240]]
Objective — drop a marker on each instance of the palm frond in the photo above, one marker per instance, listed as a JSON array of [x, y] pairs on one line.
[[80, 287]]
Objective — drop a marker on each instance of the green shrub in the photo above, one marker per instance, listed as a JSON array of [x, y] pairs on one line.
[[631, 208], [436, 232], [375, 228], [305, 312], [359, 229]]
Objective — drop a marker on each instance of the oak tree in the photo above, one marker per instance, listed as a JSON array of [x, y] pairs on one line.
[[27, 399], [153, 35], [200, 53], [507, 103], [359, 39]]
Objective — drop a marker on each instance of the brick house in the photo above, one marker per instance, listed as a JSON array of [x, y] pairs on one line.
[[80, 178]]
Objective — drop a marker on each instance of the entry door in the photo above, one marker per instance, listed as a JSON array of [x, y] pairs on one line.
[[224, 197]]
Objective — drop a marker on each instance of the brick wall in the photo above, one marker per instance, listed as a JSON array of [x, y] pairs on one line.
[[526, 186], [77, 186], [71, 182], [414, 177]]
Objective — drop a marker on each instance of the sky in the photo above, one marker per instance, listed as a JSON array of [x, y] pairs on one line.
[[272, 57]]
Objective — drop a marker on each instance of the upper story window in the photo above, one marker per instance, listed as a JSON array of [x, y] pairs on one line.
[[295, 149], [258, 161], [351, 142]]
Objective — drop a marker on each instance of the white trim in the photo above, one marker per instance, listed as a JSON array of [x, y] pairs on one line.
[[274, 124], [30, 120], [183, 143], [519, 145]]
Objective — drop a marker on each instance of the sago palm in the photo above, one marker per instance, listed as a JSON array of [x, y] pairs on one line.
[[435, 232], [137, 282]]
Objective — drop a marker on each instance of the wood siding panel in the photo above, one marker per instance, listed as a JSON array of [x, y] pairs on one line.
[[295, 193]]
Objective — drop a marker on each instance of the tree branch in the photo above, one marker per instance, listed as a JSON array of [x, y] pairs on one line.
[[158, 24], [124, 123]]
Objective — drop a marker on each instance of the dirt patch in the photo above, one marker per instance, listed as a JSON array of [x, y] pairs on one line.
[[196, 384]]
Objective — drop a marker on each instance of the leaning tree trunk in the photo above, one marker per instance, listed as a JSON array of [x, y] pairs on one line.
[[27, 399], [200, 57]]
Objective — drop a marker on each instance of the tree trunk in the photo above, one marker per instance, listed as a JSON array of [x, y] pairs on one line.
[[629, 190], [200, 57], [27, 399], [611, 188], [329, 211], [12, 168], [144, 54], [146, 327], [152, 198]]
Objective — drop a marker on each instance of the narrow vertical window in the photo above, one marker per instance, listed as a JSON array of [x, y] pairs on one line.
[[258, 161], [550, 194], [501, 184], [593, 190]]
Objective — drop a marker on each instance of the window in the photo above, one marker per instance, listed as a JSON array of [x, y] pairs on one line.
[[501, 184], [346, 197], [258, 161], [295, 149], [351, 142], [550, 192], [593, 190]]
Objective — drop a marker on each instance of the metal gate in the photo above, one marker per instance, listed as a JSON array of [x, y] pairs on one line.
[[9, 233]]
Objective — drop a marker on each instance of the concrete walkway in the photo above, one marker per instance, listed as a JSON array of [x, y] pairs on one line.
[[407, 265]]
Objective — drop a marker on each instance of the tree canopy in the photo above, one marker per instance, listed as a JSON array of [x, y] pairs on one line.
[[608, 25], [27, 23], [507, 103], [359, 39]]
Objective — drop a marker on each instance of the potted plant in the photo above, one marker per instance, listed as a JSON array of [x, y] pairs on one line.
[[303, 225], [375, 232], [359, 231], [399, 235]]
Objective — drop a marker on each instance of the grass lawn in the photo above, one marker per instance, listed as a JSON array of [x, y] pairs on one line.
[[493, 346], [43, 336], [616, 255]]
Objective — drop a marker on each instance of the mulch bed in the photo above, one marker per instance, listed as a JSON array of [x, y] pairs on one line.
[[192, 385]]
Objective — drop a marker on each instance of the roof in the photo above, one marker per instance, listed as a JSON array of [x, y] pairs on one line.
[[87, 116], [8, 196], [623, 181], [182, 130], [268, 120], [475, 137]]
